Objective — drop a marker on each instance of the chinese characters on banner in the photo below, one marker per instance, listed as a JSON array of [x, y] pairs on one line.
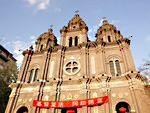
[[68, 104]]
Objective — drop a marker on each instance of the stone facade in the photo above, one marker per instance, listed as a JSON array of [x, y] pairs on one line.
[[80, 69]]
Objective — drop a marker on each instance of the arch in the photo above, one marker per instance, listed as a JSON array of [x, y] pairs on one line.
[[76, 41], [48, 42], [117, 63], [109, 38], [22, 110], [114, 64], [31, 75], [131, 104], [113, 57], [112, 69], [70, 41], [36, 74], [41, 47], [124, 105]]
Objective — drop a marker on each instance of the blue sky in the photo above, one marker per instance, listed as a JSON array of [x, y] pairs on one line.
[[22, 21]]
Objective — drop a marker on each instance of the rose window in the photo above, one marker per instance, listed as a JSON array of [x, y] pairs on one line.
[[71, 67]]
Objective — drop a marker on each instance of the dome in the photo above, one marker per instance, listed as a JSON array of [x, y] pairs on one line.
[[75, 24], [46, 40], [107, 32]]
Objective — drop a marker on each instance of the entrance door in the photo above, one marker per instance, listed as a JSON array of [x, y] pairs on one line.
[[124, 105], [69, 110], [22, 110]]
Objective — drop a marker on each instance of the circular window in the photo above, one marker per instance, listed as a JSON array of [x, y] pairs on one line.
[[71, 67]]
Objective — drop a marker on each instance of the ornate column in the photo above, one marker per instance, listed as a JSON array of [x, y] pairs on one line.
[[135, 91], [105, 90], [83, 60], [84, 94]]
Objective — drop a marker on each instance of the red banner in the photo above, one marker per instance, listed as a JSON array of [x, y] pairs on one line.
[[69, 104]]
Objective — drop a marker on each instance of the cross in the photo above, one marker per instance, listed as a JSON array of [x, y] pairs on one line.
[[104, 18], [76, 12], [51, 26]]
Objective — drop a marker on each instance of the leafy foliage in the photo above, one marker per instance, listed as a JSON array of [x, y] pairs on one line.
[[7, 76]]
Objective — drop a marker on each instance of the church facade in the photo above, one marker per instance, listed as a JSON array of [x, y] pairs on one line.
[[78, 70]]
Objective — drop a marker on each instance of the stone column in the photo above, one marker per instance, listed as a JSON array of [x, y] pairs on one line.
[[83, 61], [10, 103]]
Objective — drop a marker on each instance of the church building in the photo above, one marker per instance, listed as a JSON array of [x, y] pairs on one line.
[[79, 75]]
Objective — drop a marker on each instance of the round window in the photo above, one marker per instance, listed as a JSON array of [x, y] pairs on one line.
[[71, 67]]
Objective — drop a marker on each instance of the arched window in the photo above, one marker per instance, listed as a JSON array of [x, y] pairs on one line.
[[35, 75], [41, 47], [76, 41], [31, 75], [47, 42], [118, 67], [115, 68], [109, 39], [70, 41], [112, 69]]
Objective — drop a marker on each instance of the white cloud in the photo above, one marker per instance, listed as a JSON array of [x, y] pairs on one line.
[[19, 59], [32, 37], [115, 22], [94, 28], [39, 4], [20, 45], [17, 45], [16, 51], [31, 2], [43, 4]]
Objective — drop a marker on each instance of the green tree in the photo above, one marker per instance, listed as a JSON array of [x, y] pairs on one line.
[[7, 76]]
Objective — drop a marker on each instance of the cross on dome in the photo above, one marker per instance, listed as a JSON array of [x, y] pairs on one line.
[[77, 11], [51, 26], [104, 18]]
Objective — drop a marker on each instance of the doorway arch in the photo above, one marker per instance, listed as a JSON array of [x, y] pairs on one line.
[[22, 110], [125, 105]]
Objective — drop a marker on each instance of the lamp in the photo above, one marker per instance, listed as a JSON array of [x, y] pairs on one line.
[[70, 111], [122, 110]]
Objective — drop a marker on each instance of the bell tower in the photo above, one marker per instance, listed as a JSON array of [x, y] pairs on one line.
[[108, 32], [75, 32], [46, 40]]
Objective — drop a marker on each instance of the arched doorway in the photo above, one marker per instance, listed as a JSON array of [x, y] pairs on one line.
[[23, 110], [124, 105], [69, 110]]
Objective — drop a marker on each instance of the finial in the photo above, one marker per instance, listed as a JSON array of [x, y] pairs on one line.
[[51, 26], [31, 47], [50, 30], [76, 12], [104, 18], [104, 21]]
